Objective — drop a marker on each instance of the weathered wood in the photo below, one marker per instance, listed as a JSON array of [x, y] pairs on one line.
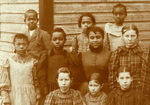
[[15, 28], [19, 1], [73, 28], [18, 8], [72, 1], [97, 7], [100, 17]]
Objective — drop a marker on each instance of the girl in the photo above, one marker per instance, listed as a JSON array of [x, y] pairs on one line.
[[125, 94], [58, 57], [95, 96], [21, 67], [134, 55], [64, 95], [97, 58], [80, 43], [113, 30]]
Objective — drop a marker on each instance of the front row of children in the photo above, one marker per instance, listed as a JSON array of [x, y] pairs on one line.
[[18, 75], [123, 95]]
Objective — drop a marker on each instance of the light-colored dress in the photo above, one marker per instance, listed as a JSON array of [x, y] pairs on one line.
[[113, 37], [22, 72]]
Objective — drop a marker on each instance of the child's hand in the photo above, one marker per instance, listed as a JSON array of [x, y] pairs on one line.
[[38, 96]]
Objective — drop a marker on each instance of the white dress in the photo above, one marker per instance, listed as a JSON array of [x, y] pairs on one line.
[[21, 73]]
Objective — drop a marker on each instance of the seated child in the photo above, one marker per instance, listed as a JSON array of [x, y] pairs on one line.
[[80, 43], [125, 94], [64, 95], [95, 96], [113, 30]]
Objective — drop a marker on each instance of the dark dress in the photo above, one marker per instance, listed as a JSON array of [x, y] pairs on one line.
[[62, 58], [95, 61], [128, 97]]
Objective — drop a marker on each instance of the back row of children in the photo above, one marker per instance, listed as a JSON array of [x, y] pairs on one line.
[[40, 65]]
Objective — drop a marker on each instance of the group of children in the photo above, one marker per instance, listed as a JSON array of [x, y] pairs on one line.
[[104, 67]]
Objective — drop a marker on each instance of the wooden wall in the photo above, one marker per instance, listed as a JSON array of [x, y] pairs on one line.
[[12, 20], [67, 12]]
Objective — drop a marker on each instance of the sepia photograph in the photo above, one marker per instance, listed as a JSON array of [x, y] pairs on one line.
[[74, 52]]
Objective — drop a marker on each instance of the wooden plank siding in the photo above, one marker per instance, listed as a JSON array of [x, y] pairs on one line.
[[12, 20], [67, 12]]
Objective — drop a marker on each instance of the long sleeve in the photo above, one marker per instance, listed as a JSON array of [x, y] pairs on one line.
[[48, 99], [46, 40], [112, 67], [75, 44], [4, 80], [35, 79]]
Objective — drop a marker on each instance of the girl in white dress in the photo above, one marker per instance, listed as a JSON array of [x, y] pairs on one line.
[[21, 67]]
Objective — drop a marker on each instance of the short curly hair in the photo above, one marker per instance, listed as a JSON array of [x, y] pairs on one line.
[[88, 15]]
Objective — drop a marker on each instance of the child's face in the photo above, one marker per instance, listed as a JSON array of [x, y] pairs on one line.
[[58, 40], [94, 87], [95, 39], [124, 79], [119, 15], [31, 21], [86, 22], [130, 38], [20, 46], [64, 82]]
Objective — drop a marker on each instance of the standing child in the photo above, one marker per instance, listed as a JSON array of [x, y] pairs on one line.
[[64, 95], [95, 96], [113, 30], [125, 94], [39, 44], [80, 43], [22, 72], [58, 57]]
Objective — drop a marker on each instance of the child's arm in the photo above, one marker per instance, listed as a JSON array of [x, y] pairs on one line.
[[49, 99], [4, 81], [35, 80], [46, 40], [112, 67], [75, 44]]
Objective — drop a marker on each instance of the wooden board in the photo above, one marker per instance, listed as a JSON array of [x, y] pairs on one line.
[[18, 8], [100, 17], [97, 7]]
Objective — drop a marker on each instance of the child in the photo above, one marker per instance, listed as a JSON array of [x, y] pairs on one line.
[[64, 95], [125, 94], [58, 57], [134, 55], [80, 43], [113, 30], [22, 71], [39, 44], [95, 96]]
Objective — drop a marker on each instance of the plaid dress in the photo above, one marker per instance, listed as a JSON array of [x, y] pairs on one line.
[[56, 97], [99, 99], [80, 43], [137, 59], [128, 97]]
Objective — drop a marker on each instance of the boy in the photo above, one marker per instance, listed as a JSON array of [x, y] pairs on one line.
[[39, 43]]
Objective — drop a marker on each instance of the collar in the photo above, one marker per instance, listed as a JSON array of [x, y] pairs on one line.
[[54, 51], [126, 93], [124, 51]]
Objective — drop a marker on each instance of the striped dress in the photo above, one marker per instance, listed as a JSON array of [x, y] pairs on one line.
[[99, 99]]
